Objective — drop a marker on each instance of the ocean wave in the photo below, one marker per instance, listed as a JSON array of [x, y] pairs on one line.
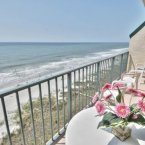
[[30, 73]]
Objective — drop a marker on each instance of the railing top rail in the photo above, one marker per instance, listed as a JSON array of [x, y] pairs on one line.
[[44, 79]]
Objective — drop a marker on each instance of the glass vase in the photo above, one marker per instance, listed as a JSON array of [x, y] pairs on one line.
[[121, 132]]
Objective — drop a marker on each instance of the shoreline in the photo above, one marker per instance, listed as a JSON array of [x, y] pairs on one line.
[[20, 77]]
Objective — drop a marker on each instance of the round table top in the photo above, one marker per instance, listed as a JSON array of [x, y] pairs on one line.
[[82, 130]]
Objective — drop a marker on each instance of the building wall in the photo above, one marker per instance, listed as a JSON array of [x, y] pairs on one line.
[[137, 47]]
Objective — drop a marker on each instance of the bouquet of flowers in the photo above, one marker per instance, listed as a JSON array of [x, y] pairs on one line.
[[115, 112]]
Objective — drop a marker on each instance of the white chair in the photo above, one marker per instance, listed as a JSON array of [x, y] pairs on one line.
[[139, 69], [131, 79]]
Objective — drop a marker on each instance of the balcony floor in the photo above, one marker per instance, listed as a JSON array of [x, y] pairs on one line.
[[61, 141]]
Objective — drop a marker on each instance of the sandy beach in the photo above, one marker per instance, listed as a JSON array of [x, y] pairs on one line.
[[11, 103]]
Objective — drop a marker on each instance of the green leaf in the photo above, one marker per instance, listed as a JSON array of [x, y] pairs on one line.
[[109, 119], [104, 123], [111, 102], [118, 98], [132, 107], [139, 120]]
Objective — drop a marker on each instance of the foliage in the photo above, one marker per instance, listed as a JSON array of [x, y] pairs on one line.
[[113, 108]]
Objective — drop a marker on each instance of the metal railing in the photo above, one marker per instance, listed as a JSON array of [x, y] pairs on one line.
[[38, 113]]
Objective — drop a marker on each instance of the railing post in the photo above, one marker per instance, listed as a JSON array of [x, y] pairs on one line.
[[79, 101], [57, 103], [98, 77], [121, 65], [86, 85], [32, 115], [127, 61], [42, 112], [20, 116], [50, 109], [69, 96], [6, 120], [112, 68]]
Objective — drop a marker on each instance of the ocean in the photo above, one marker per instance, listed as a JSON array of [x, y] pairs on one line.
[[26, 62]]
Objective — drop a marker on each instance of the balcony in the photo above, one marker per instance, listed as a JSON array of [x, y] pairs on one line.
[[41, 110]]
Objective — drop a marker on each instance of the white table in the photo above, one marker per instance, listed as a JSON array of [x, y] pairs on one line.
[[82, 130]]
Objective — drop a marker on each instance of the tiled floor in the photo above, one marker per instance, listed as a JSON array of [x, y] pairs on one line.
[[61, 142]]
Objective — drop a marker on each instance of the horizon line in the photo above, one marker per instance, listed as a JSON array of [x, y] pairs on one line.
[[62, 42]]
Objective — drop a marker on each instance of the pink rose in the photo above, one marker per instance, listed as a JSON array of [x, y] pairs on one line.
[[122, 110], [107, 86], [118, 85], [132, 91], [108, 97], [136, 92], [100, 108], [141, 105], [94, 98], [140, 94]]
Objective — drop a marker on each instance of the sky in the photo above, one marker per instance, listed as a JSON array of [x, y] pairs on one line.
[[69, 20]]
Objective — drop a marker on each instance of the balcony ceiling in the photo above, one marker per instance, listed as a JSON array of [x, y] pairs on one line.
[[144, 2]]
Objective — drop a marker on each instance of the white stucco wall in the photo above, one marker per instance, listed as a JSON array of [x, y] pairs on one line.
[[137, 47]]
